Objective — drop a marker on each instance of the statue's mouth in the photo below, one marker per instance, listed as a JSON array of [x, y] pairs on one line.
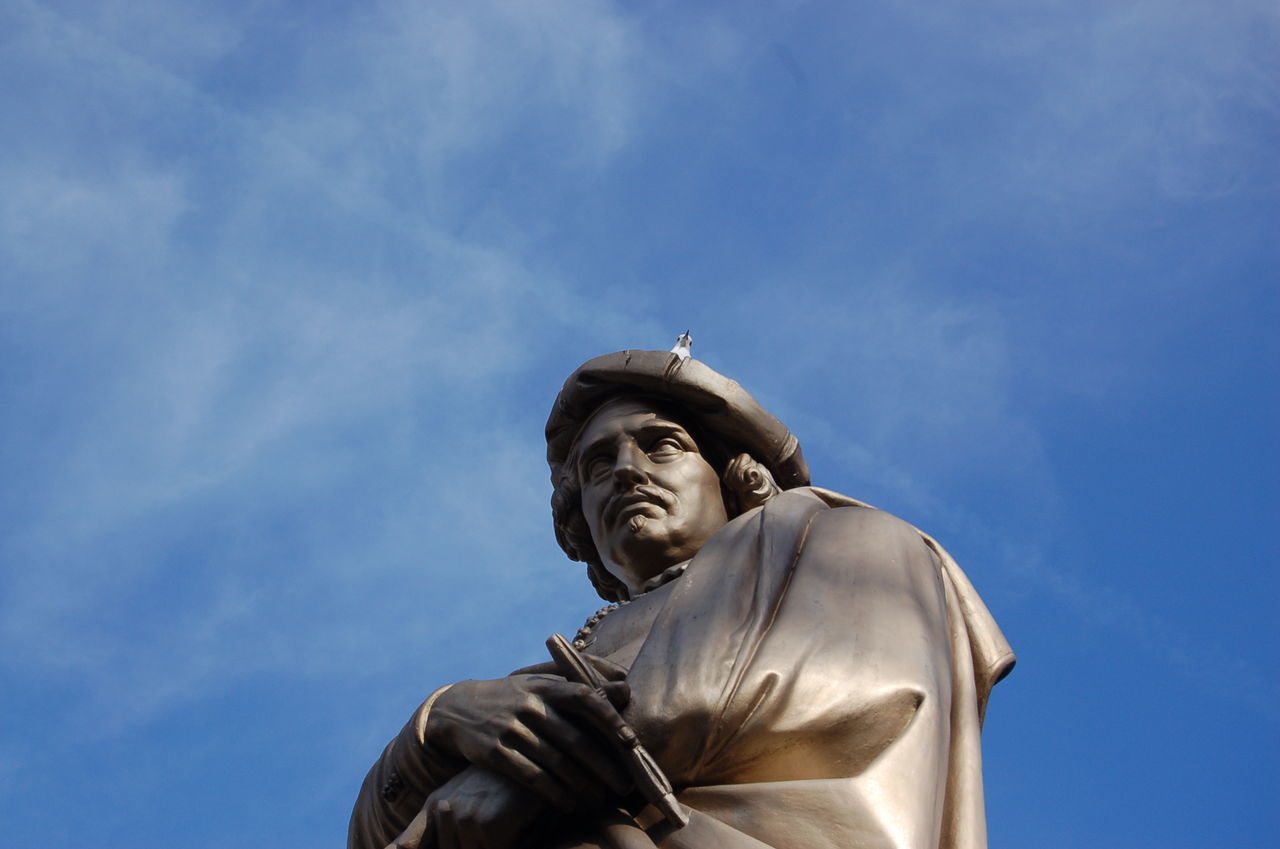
[[635, 501]]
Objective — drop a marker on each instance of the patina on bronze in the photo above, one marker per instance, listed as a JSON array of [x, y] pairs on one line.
[[805, 670]]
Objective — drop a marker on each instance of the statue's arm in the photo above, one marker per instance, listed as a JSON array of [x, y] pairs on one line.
[[900, 670], [399, 783], [547, 734]]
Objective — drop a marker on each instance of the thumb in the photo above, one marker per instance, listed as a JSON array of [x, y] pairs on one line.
[[618, 693], [418, 834], [547, 667], [608, 670]]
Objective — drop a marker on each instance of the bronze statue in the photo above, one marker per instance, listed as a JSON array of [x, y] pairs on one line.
[[805, 670]]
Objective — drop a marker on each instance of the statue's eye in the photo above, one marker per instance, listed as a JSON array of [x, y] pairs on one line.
[[597, 466], [666, 447]]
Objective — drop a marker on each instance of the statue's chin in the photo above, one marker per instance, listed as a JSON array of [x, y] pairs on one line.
[[644, 539], [648, 540], [646, 551], [642, 534]]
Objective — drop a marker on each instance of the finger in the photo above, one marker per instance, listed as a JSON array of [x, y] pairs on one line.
[[518, 766], [415, 834], [596, 709], [589, 760], [545, 668], [551, 743], [581, 761], [618, 693], [609, 670], [468, 833], [446, 826]]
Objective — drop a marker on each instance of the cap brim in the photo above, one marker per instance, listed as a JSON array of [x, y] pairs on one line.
[[718, 403]]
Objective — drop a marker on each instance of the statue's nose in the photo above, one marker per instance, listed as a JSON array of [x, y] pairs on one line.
[[627, 469]]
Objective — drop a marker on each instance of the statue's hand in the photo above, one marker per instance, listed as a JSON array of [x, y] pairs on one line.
[[476, 809], [554, 737]]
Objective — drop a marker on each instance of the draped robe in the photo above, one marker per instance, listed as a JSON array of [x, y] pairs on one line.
[[816, 679]]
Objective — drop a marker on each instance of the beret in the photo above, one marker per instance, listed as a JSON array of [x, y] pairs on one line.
[[716, 403]]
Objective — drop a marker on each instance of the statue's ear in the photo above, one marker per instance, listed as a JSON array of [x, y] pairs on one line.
[[749, 483]]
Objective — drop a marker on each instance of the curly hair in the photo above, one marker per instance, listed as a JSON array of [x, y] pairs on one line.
[[744, 483]]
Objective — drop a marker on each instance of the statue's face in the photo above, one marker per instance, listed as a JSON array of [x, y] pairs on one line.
[[650, 498]]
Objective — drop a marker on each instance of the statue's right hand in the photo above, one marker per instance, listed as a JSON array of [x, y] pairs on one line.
[[475, 809], [555, 737]]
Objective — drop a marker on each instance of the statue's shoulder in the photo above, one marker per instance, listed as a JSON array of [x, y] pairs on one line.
[[856, 522], [844, 508]]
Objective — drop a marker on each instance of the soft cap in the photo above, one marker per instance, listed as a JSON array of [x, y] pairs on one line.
[[717, 403]]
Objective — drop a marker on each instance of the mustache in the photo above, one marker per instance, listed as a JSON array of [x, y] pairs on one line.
[[637, 495]]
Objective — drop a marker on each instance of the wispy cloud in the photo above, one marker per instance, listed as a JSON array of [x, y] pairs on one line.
[[54, 222], [212, 373], [1114, 104], [916, 372], [284, 298]]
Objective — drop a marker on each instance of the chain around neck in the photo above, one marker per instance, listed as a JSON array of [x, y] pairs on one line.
[[582, 639]]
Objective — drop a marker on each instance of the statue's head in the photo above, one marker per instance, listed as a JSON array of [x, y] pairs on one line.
[[650, 456]]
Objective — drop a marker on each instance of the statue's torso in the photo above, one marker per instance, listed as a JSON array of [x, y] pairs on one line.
[[621, 633]]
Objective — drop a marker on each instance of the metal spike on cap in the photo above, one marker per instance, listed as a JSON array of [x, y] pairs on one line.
[[684, 346]]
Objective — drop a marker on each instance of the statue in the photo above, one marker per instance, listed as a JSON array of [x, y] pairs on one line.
[[807, 671]]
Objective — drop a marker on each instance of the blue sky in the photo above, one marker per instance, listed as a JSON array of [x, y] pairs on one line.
[[286, 291]]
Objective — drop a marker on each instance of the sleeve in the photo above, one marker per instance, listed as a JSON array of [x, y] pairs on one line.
[[398, 784]]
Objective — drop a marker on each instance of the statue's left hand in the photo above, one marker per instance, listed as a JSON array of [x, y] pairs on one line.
[[476, 809], [561, 739]]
